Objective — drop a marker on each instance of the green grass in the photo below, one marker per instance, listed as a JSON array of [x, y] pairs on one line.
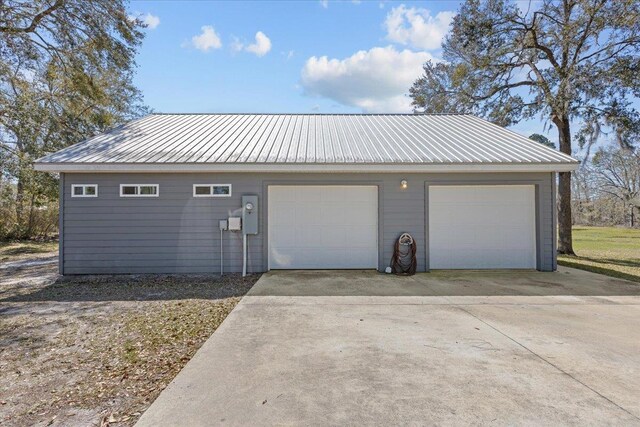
[[606, 250], [13, 250]]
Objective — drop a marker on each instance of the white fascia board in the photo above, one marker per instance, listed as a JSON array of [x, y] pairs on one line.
[[303, 168]]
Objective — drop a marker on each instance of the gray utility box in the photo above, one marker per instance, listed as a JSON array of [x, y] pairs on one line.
[[250, 214]]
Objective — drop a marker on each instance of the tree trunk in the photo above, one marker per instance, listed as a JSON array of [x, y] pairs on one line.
[[565, 239], [29, 229], [18, 232]]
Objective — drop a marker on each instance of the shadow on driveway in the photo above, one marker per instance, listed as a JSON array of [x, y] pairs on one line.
[[565, 281]]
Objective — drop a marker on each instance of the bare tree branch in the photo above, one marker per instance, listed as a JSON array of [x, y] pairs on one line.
[[35, 21]]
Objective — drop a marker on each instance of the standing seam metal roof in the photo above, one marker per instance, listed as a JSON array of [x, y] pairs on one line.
[[308, 138]]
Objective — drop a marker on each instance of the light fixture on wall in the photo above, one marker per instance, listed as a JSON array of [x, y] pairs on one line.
[[403, 184]]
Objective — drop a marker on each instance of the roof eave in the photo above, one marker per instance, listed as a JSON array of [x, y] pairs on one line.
[[302, 167]]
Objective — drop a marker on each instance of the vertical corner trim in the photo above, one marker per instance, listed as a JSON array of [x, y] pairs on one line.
[[554, 216], [61, 226]]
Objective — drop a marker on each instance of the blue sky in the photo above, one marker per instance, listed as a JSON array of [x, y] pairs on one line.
[[288, 56]]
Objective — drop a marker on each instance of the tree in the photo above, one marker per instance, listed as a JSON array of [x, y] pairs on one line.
[[65, 74], [542, 140], [617, 174], [573, 62]]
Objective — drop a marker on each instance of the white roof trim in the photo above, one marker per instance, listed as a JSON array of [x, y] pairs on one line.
[[303, 168]]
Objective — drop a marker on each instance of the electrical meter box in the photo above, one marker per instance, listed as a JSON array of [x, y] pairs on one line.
[[234, 224], [250, 214]]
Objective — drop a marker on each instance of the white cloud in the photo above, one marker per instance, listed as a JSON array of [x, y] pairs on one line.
[[375, 80], [416, 27], [262, 45], [206, 40], [151, 21]]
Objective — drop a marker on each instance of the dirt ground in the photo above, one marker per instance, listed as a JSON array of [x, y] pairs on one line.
[[98, 350]]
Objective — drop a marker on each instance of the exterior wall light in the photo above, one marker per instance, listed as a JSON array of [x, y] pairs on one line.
[[403, 184]]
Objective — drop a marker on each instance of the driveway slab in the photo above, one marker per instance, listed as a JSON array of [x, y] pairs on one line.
[[518, 348]]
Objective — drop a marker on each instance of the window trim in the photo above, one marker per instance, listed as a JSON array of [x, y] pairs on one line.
[[157, 186], [212, 194], [83, 186]]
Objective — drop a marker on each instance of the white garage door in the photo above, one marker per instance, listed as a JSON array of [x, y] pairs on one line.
[[317, 227], [476, 227]]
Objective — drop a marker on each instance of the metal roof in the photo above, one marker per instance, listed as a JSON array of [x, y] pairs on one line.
[[249, 141]]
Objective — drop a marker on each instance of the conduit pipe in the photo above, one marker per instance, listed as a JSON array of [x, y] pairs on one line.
[[221, 254], [244, 255]]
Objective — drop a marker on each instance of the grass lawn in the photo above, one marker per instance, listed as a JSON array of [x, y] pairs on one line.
[[606, 250]]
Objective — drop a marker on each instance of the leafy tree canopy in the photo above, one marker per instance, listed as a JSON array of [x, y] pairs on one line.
[[542, 140], [66, 70], [565, 59]]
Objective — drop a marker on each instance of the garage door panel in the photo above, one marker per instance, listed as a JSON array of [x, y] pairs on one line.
[[333, 194], [333, 212], [360, 257], [287, 194], [308, 236], [361, 236], [282, 235], [306, 212], [306, 193], [281, 255], [482, 227], [333, 236], [337, 257], [316, 227], [283, 214], [363, 210], [316, 257]]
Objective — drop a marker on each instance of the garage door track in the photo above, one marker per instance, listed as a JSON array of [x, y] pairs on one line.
[[358, 347]]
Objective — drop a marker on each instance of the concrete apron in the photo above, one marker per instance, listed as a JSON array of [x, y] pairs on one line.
[[439, 348]]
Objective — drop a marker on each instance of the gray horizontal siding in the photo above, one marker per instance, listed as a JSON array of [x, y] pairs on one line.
[[177, 233]]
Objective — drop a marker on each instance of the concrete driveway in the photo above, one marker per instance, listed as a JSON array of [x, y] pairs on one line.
[[354, 347]]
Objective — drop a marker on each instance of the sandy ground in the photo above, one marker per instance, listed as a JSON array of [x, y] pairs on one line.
[[98, 350]]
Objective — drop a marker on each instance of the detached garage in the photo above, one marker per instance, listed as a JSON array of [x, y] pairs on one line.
[[210, 193]]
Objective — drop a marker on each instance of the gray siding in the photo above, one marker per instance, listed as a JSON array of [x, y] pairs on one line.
[[177, 233]]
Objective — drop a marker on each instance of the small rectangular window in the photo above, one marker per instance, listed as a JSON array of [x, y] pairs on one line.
[[201, 190], [139, 190], [211, 190], [221, 190], [129, 190], [148, 190], [84, 190]]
